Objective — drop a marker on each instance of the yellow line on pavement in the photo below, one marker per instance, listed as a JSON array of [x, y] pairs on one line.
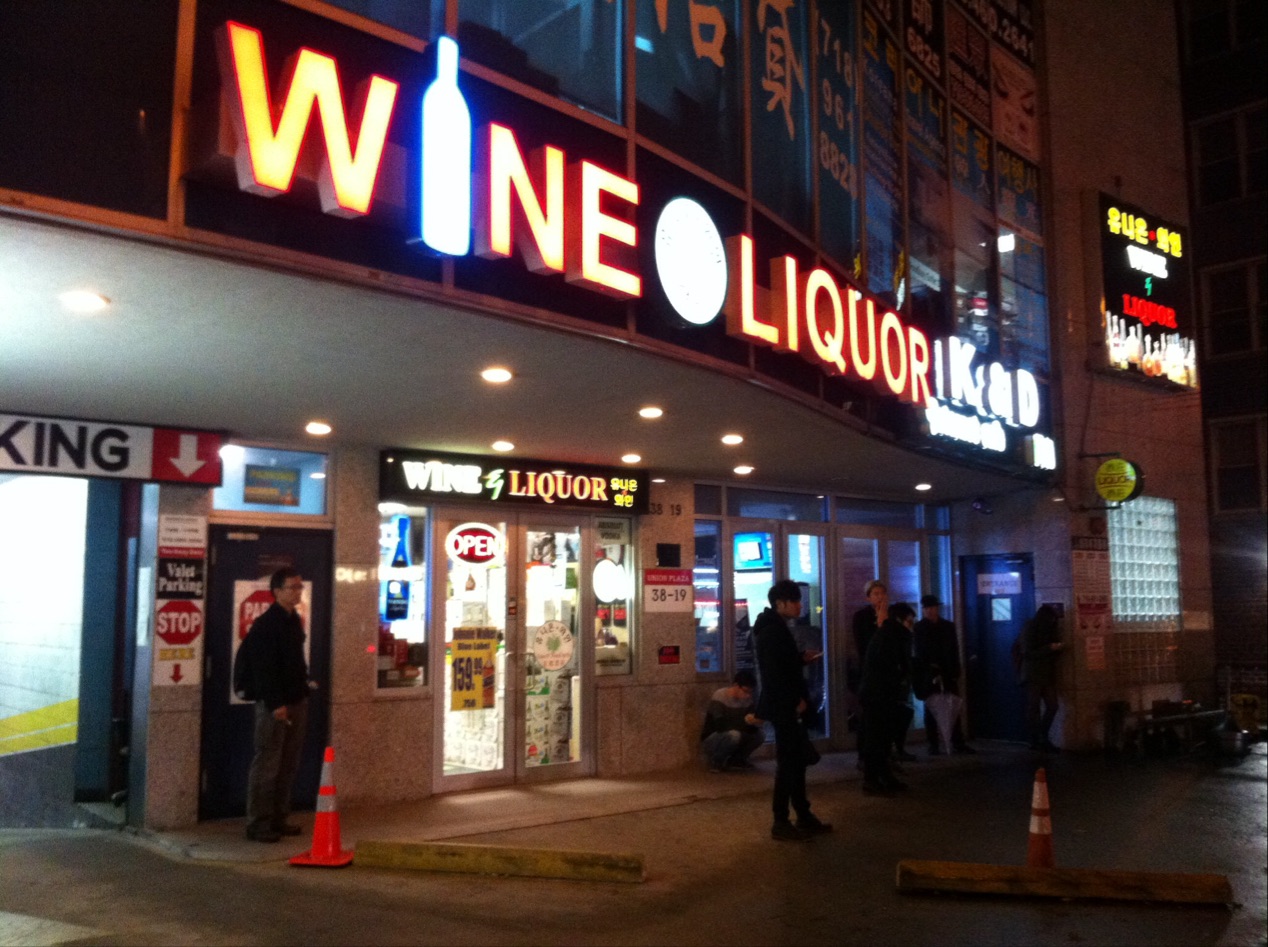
[[45, 726]]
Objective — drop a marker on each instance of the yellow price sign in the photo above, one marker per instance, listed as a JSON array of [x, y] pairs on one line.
[[472, 668]]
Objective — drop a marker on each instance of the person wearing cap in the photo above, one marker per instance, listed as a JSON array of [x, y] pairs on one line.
[[936, 666]]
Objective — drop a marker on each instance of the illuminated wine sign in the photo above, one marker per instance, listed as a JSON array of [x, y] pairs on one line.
[[410, 476], [572, 218], [1146, 293]]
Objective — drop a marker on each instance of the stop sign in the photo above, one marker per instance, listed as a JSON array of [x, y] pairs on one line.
[[179, 622], [252, 607]]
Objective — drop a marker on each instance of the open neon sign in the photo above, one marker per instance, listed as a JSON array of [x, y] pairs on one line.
[[572, 219]]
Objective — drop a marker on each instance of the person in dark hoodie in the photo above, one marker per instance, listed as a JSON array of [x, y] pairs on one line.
[[280, 676], [883, 694], [782, 699]]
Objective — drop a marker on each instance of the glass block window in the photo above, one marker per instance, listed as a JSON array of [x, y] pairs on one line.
[[1144, 562]]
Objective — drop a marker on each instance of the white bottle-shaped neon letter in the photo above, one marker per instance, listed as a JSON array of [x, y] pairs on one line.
[[446, 158]]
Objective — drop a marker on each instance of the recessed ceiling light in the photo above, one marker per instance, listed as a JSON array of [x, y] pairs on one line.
[[318, 428], [391, 508], [232, 453], [317, 475], [497, 375], [730, 440], [922, 487], [502, 446], [744, 470], [658, 479], [651, 411], [83, 301], [630, 458]]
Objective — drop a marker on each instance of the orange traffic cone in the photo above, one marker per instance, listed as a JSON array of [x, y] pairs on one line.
[[326, 851], [1039, 851]]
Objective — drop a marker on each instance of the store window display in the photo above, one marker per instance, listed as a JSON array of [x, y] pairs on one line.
[[402, 646]]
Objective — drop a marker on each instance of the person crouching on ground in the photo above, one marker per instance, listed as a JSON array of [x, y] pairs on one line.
[[782, 700], [727, 738]]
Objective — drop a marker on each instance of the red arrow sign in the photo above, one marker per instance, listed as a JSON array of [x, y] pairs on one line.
[[187, 456], [179, 622], [176, 674]]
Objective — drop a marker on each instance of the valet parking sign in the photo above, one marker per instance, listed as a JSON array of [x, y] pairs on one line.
[[180, 601]]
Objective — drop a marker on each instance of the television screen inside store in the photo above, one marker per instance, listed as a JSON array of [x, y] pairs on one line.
[[613, 581], [402, 649]]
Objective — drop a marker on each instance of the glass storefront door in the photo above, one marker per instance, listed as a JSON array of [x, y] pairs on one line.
[[515, 690]]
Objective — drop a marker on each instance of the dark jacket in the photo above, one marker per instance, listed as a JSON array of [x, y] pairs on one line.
[[887, 665], [1039, 660], [937, 653], [277, 657], [782, 685]]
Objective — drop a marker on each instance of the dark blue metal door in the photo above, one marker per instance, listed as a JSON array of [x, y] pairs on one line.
[[998, 592]]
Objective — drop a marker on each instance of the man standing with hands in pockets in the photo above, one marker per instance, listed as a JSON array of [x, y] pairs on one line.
[[782, 699], [280, 675]]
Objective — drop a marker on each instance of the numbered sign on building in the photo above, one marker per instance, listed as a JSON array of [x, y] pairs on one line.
[[667, 590]]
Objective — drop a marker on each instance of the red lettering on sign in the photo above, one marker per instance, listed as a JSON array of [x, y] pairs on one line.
[[178, 622]]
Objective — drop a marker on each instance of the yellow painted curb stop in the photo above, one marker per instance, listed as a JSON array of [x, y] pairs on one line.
[[500, 860], [967, 878]]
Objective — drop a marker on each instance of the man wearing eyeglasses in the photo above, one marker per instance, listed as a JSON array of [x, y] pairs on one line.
[[280, 673]]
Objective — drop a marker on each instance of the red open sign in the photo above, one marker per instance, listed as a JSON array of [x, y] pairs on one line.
[[476, 543]]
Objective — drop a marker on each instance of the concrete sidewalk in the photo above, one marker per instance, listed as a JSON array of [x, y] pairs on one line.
[[479, 812]]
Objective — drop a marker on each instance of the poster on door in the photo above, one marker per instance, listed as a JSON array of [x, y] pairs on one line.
[[473, 669], [251, 599]]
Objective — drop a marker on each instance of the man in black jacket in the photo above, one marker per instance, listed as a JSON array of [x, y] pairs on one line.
[[782, 699], [936, 668], [280, 674]]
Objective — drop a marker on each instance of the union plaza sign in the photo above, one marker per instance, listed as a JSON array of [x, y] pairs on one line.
[[572, 217]]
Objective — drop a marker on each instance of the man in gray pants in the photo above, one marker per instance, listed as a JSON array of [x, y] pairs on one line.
[[280, 673]]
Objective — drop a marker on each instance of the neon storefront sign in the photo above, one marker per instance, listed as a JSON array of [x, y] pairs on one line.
[[573, 218]]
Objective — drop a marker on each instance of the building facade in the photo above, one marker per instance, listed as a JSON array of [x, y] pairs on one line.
[[829, 291], [1224, 104]]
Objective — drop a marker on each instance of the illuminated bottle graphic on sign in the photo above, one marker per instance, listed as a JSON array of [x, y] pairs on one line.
[[396, 603], [446, 158]]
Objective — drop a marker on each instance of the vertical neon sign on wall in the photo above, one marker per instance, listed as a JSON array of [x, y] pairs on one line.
[[446, 158]]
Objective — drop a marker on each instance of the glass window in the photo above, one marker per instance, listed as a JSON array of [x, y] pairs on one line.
[[421, 18], [613, 582], [1144, 563], [706, 576], [1208, 29], [402, 654], [569, 49], [752, 574], [805, 567], [1239, 452], [266, 480], [1236, 308], [708, 499], [771, 505], [876, 513], [1232, 156], [780, 110], [690, 81]]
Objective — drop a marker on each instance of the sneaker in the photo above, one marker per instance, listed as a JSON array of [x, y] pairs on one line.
[[787, 832], [287, 828], [258, 832], [813, 825]]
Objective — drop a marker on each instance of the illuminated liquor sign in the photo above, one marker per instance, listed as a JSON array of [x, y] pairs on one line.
[[572, 217], [1146, 314], [413, 476]]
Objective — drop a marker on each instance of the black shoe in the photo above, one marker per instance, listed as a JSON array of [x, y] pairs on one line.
[[904, 757], [258, 832], [965, 749], [743, 765], [895, 785], [787, 832], [287, 828], [936, 751], [813, 825], [871, 788]]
